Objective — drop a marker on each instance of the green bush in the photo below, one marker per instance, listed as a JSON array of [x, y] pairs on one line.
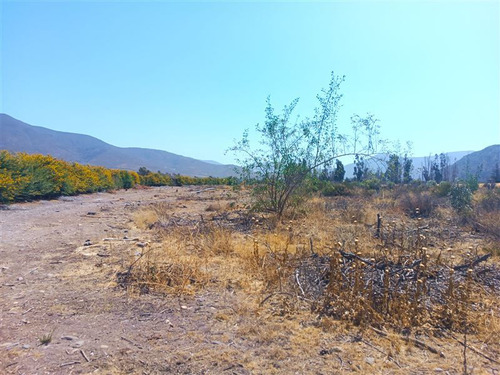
[[461, 198], [335, 190], [443, 189]]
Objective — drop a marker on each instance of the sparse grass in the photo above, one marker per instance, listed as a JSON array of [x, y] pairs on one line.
[[46, 339], [323, 276]]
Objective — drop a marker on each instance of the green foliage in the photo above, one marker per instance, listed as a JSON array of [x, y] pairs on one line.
[[335, 190], [372, 184], [26, 177], [394, 169], [443, 189], [461, 198], [339, 172], [292, 150]]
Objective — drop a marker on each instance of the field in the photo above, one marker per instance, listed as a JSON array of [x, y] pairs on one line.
[[188, 280]]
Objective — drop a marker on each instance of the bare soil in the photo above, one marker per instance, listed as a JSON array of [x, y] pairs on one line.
[[62, 311]]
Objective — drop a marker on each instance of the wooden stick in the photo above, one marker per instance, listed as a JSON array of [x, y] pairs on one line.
[[84, 355], [418, 343], [474, 263], [477, 351], [70, 363]]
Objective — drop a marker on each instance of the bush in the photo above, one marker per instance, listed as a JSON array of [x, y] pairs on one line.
[[335, 190], [424, 201], [461, 198], [443, 189]]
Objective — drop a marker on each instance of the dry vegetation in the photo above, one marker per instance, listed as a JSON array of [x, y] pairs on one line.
[[328, 290]]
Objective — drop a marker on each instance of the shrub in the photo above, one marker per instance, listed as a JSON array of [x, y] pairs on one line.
[[410, 201], [461, 198], [335, 190], [443, 189]]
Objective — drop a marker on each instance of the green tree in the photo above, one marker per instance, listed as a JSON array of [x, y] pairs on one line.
[[291, 150], [339, 172], [407, 169], [393, 172]]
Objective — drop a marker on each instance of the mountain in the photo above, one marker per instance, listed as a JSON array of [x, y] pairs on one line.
[[378, 163], [17, 136], [484, 162]]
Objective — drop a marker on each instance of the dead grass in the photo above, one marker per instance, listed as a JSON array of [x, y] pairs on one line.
[[401, 282]]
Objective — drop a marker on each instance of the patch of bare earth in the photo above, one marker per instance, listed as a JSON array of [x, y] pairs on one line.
[[184, 281]]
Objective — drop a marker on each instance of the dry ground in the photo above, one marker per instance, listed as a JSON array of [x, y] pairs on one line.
[[59, 262]]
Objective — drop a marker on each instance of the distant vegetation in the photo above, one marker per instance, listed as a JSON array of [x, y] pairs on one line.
[[25, 177]]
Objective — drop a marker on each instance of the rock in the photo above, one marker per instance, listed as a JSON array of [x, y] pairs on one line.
[[77, 344], [370, 360], [26, 346], [20, 278], [70, 338]]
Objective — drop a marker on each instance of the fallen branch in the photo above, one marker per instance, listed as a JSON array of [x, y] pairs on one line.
[[477, 351], [381, 351], [84, 355], [70, 363], [418, 343], [474, 263]]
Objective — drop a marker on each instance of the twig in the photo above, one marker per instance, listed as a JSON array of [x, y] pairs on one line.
[[275, 294], [477, 351], [381, 351], [131, 342], [418, 343], [27, 311], [298, 282], [474, 263], [84, 355], [70, 363]]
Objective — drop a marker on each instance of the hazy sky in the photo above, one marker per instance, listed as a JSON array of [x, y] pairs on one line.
[[189, 77]]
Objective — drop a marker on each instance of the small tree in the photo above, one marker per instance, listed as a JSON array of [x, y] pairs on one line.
[[339, 172], [393, 172], [407, 169], [291, 150]]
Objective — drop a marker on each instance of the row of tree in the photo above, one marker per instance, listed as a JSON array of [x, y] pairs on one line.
[[25, 177]]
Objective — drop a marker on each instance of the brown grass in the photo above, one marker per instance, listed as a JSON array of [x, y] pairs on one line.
[[285, 318]]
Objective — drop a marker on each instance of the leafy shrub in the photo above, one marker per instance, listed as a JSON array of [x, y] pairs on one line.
[[335, 190], [443, 189], [461, 198], [372, 184]]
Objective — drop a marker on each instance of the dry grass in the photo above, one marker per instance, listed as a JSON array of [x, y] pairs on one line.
[[401, 281]]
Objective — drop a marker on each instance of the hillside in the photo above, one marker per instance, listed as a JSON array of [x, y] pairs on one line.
[[17, 136], [484, 162]]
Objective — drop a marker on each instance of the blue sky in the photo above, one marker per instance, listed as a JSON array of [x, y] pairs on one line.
[[189, 77]]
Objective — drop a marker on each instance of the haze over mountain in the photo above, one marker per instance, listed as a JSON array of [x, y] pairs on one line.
[[418, 163], [486, 163], [17, 136], [483, 163]]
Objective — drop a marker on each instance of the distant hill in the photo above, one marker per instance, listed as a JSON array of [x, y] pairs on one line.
[[418, 163], [17, 136], [484, 162]]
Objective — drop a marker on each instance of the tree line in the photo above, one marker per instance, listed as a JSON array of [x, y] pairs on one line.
[[25, 177]]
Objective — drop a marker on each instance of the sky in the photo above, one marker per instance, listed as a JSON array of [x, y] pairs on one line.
[[190, 77]]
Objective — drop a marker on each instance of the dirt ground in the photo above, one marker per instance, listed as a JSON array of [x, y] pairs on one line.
[[58, 266]]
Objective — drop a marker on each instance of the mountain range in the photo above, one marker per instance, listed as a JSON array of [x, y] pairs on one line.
[[17, 136]]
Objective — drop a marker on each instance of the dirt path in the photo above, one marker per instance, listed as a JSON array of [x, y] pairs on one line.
[[52, 286]]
